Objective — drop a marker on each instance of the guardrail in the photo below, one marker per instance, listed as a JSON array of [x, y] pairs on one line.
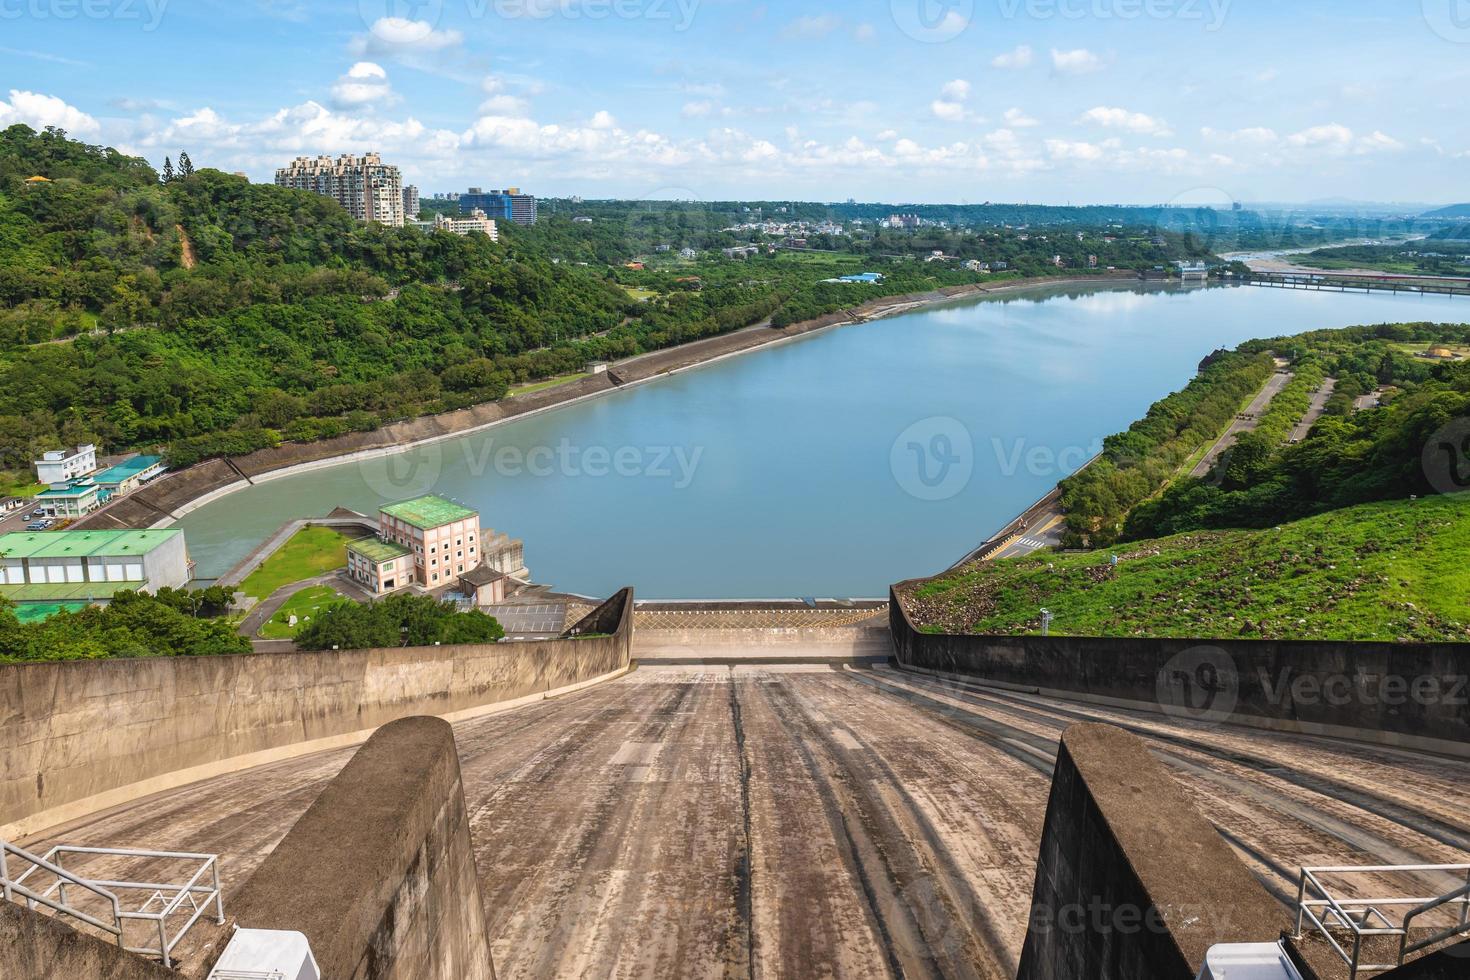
[[1364, 918], [163, 901]]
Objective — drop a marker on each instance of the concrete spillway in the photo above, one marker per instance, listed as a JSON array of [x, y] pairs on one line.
[[811, 820]]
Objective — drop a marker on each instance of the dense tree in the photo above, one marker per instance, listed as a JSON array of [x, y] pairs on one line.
[[400, 620]]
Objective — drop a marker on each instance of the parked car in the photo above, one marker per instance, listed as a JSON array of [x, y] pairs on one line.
[[36, 526]]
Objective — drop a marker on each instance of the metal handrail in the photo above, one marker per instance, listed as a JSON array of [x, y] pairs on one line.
[[169, 896], [1357, 915]]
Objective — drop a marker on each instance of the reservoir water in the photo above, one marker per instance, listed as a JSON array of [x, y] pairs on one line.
[[831, 466]]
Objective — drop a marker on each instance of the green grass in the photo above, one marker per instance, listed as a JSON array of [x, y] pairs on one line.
[[1388, 571], [641, 295], [312, 551], [304, 606], [543, 385], [20, 483]]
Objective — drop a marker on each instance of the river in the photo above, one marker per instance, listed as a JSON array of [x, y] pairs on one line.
[[830, 466]]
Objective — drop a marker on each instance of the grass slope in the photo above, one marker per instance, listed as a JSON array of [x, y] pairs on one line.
[[312, 551], [1386, 571], [304, 605]]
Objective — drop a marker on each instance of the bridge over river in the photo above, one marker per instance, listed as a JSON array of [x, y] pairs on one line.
[[804, 820]]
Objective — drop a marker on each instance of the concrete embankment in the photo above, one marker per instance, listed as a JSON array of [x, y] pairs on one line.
[[1415, 695], [379, 873], [82, 736], [176, 494], [840, 645]]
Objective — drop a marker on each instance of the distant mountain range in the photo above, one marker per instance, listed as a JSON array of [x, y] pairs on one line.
[[1453, 211]]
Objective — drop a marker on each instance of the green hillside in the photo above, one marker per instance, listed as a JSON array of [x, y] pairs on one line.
[[1385, 571]]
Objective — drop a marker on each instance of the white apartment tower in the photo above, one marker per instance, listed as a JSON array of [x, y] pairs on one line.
[[365, 186]]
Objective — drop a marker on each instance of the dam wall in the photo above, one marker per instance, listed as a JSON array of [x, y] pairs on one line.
[[80, 736], [1411, 695]]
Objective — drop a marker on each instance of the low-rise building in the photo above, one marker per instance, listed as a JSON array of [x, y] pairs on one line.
[[70, 501], [129, 475], [85, 566], [64, 465], [431, 543], [476, 220]]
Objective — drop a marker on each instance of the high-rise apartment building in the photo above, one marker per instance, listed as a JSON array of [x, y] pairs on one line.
[[508, 205], [368, 188], [410, 203]]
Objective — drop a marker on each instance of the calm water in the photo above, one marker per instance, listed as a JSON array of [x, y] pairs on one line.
[[831, 466]]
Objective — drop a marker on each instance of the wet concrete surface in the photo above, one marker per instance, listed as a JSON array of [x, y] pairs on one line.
[[814, 821]]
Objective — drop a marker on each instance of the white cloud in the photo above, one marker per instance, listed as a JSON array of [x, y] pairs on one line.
[[697, 110], [1112, 117], [1078, 62], [366, 83], [957, 90], [39, 111], [865, 33], [403, 37], [1068, 150], [1330, 135], [1018, 119], [948, 111], [811, 28], [503, 105], [604, 120], [1259, 135], [1021, 57]]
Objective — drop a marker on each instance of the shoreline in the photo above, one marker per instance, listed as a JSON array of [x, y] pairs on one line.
[[685, 357]]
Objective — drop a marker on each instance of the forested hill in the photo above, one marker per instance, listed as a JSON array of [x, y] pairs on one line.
[[210, 315]]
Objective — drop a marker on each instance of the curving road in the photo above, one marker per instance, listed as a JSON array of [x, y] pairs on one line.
[[814, 821]]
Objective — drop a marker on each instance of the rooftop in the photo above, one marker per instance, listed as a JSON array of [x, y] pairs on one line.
[[427, 513], [376, 550], [81, 544], [128, 469], [75, 490], [68, 592]]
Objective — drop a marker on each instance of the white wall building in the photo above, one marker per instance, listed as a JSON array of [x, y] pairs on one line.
[[476, 220], [368, 188], [63, 466], [110, 560]]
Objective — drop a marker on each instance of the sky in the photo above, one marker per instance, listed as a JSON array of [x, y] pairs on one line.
[[921, 101]]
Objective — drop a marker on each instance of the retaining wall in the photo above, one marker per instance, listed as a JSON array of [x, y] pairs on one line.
[[81, 736], [379, 873], [34, 946], [1132, 883], [1415, 695]]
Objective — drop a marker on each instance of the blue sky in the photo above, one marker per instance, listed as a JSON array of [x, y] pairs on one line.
[[1051, 101]]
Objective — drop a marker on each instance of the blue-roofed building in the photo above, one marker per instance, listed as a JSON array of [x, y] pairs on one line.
[[129, 475], [864, 278]]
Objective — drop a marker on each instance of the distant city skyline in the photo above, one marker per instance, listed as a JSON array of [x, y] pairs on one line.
[[900, 101]]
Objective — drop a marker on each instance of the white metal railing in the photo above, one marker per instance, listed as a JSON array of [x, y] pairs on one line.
[[1366, 918], [162, 902]]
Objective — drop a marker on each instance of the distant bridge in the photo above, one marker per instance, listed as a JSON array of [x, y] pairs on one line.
[[1345, 282]]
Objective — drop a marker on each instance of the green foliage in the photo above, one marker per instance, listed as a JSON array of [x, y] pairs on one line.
[[310, 552], [132, 625], [1347, 459], [1136, 463], [1385, 571], [397, 621]]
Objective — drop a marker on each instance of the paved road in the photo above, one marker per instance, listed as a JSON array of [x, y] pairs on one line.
[[698, 821], [1246, 423], [1319, 405], [1045, 531]]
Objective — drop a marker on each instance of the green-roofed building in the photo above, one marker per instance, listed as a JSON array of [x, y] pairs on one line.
[[129, 475], [429, 541], [90, 566]]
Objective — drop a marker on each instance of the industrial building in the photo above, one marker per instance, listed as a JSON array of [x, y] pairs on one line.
[[62, 465], [73, 568], [434, 544], [129, 475]]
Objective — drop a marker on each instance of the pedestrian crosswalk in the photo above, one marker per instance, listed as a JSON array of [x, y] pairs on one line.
[[1034, 544]]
